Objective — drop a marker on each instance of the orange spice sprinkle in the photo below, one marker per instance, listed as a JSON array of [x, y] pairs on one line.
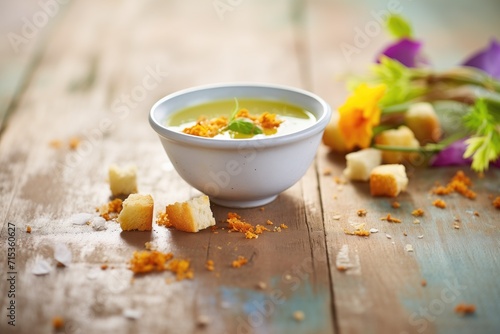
[[361, 212], [239, 262], [391, 219], [439, 203], [360, 232], [28, 229], [111, 210], [210, 265], [180, 268], [464, 309], [57, 322], [147, 261], [496, 202], [250, 235], [418, 212], [236, 225], [395, 205], [460, 183]]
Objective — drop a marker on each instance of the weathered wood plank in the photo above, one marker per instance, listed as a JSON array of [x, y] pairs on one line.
[[382, 292], [104, 66], [24, 27]]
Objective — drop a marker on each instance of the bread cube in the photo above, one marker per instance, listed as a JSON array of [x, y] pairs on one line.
[[332, 137], [192, 215], [402, 137], [361, 163], [423, 121], [388, 180], [122, 181], [137, 213]]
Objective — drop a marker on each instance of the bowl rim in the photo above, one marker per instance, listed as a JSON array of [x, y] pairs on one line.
[[309, 131]]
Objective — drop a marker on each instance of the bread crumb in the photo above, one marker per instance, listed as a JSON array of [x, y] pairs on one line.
[[250, 235], [277, 229], [111, 210], [416, 221], [439, 203], [162, 219], [239, 262], [336, 217], [56, 143], [298, 315], [418, 212], [28, 229], [57, 322], [283, 226], [423, 283], [395, 205], [262, 208], [465, 309], [391, 219], [341, 268], [456, 226], [150, 245], [496, 202], [262, 285], [203, 320], [104, 266], [408, 248], [210, 265], [74, 142], [327, 172], [268, 222], [361, 213]]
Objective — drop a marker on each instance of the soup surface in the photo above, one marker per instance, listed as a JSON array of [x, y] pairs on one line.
[[255, 119]]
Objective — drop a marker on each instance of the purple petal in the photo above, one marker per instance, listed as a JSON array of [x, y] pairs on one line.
[[453, 156], [406, 51], [487, 59]]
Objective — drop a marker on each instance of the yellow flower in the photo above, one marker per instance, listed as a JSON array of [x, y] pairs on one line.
[[359, 114]]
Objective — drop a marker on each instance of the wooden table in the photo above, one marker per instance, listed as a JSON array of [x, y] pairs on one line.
[[92, 70]]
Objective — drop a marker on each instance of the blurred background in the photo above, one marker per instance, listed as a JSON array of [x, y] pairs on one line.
[[108, 45]]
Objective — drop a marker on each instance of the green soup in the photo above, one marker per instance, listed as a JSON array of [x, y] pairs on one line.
[[293, 117]]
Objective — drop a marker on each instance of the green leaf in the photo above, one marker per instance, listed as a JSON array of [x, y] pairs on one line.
[[399, 27], [244, 126]]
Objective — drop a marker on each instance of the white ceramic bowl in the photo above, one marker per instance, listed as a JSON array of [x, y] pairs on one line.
[[245, 172]]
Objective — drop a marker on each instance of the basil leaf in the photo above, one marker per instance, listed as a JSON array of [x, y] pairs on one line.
[[244, 126]]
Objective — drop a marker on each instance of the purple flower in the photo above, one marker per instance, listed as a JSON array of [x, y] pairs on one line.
[[406, 51], [453, 155], [487, 59]]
